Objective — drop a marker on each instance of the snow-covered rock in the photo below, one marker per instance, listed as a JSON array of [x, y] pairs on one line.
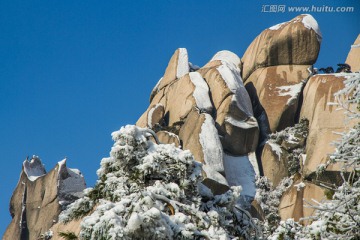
[[39, 198], [279, 89], [178, 66], [294, 201], [353, 58], [325, 118], [238, 129], [296, 42], [34, 168], [199, 135]]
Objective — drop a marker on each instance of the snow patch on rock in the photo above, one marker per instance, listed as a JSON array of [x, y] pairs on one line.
[[249, 123], [227, 57], [34, 168], [275, 148], [234, 82], [214, 175], [211, 145], [310, 23], [254, 163], [193, 67], [150, 114], [183, 63], [277, 26], [293, 91], [240, 172], [71, 183], [299, 186], [201, 93]]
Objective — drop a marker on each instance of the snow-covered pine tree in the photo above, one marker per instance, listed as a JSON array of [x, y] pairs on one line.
[[153, 191]]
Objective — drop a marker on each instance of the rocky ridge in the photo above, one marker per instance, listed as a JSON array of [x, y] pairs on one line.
[[265, 114]]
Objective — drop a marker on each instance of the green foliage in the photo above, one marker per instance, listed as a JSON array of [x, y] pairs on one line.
[[68, 235], [329, 193], [293, 141]]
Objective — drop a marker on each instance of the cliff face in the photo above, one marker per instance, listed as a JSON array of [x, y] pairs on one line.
[[266, 114], [39, 197]]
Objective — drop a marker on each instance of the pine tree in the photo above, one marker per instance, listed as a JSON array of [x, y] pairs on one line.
[[153, 191]]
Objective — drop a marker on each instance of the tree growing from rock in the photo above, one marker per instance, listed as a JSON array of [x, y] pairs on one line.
[[151, 191]]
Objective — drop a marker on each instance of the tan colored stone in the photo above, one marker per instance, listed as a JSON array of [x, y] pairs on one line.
[[35, 204], [218, 88], [159, 98], [256, 211], [234, 117], [353, 58], [292, 43], [168, 138], [324, 119], [155, 115], [189, 135], [294, 200], [275, 167], [179, 99], [178, 66], [240, 135], [211, 156], [210, 65], [278, 89]]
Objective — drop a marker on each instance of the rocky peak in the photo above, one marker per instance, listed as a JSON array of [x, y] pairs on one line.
[[266, 116], [39, 197]]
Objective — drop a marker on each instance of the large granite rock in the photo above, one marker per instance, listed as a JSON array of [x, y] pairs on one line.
[[39, 198], [284, 152], [177, 99], [274, 163], [325, 119], [296, 42], [294, 201], [178, 66], [234, 118], [199, 135], [166, 137], [353, 58], [212, 100], [279, 89]]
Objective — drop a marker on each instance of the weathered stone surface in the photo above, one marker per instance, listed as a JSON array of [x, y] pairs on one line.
[[353, 58], [155, 115], [237, 127], [274, 163], [296, 42], [179, 100], [199, 135], [178, 66], [35, 204], [293, 201], [256, 211], [324, 119], [159, 98], [283, 153], [168, 138], [278, 89], [239, 132]]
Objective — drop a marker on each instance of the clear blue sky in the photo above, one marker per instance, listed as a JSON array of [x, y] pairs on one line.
[[72, 72]]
